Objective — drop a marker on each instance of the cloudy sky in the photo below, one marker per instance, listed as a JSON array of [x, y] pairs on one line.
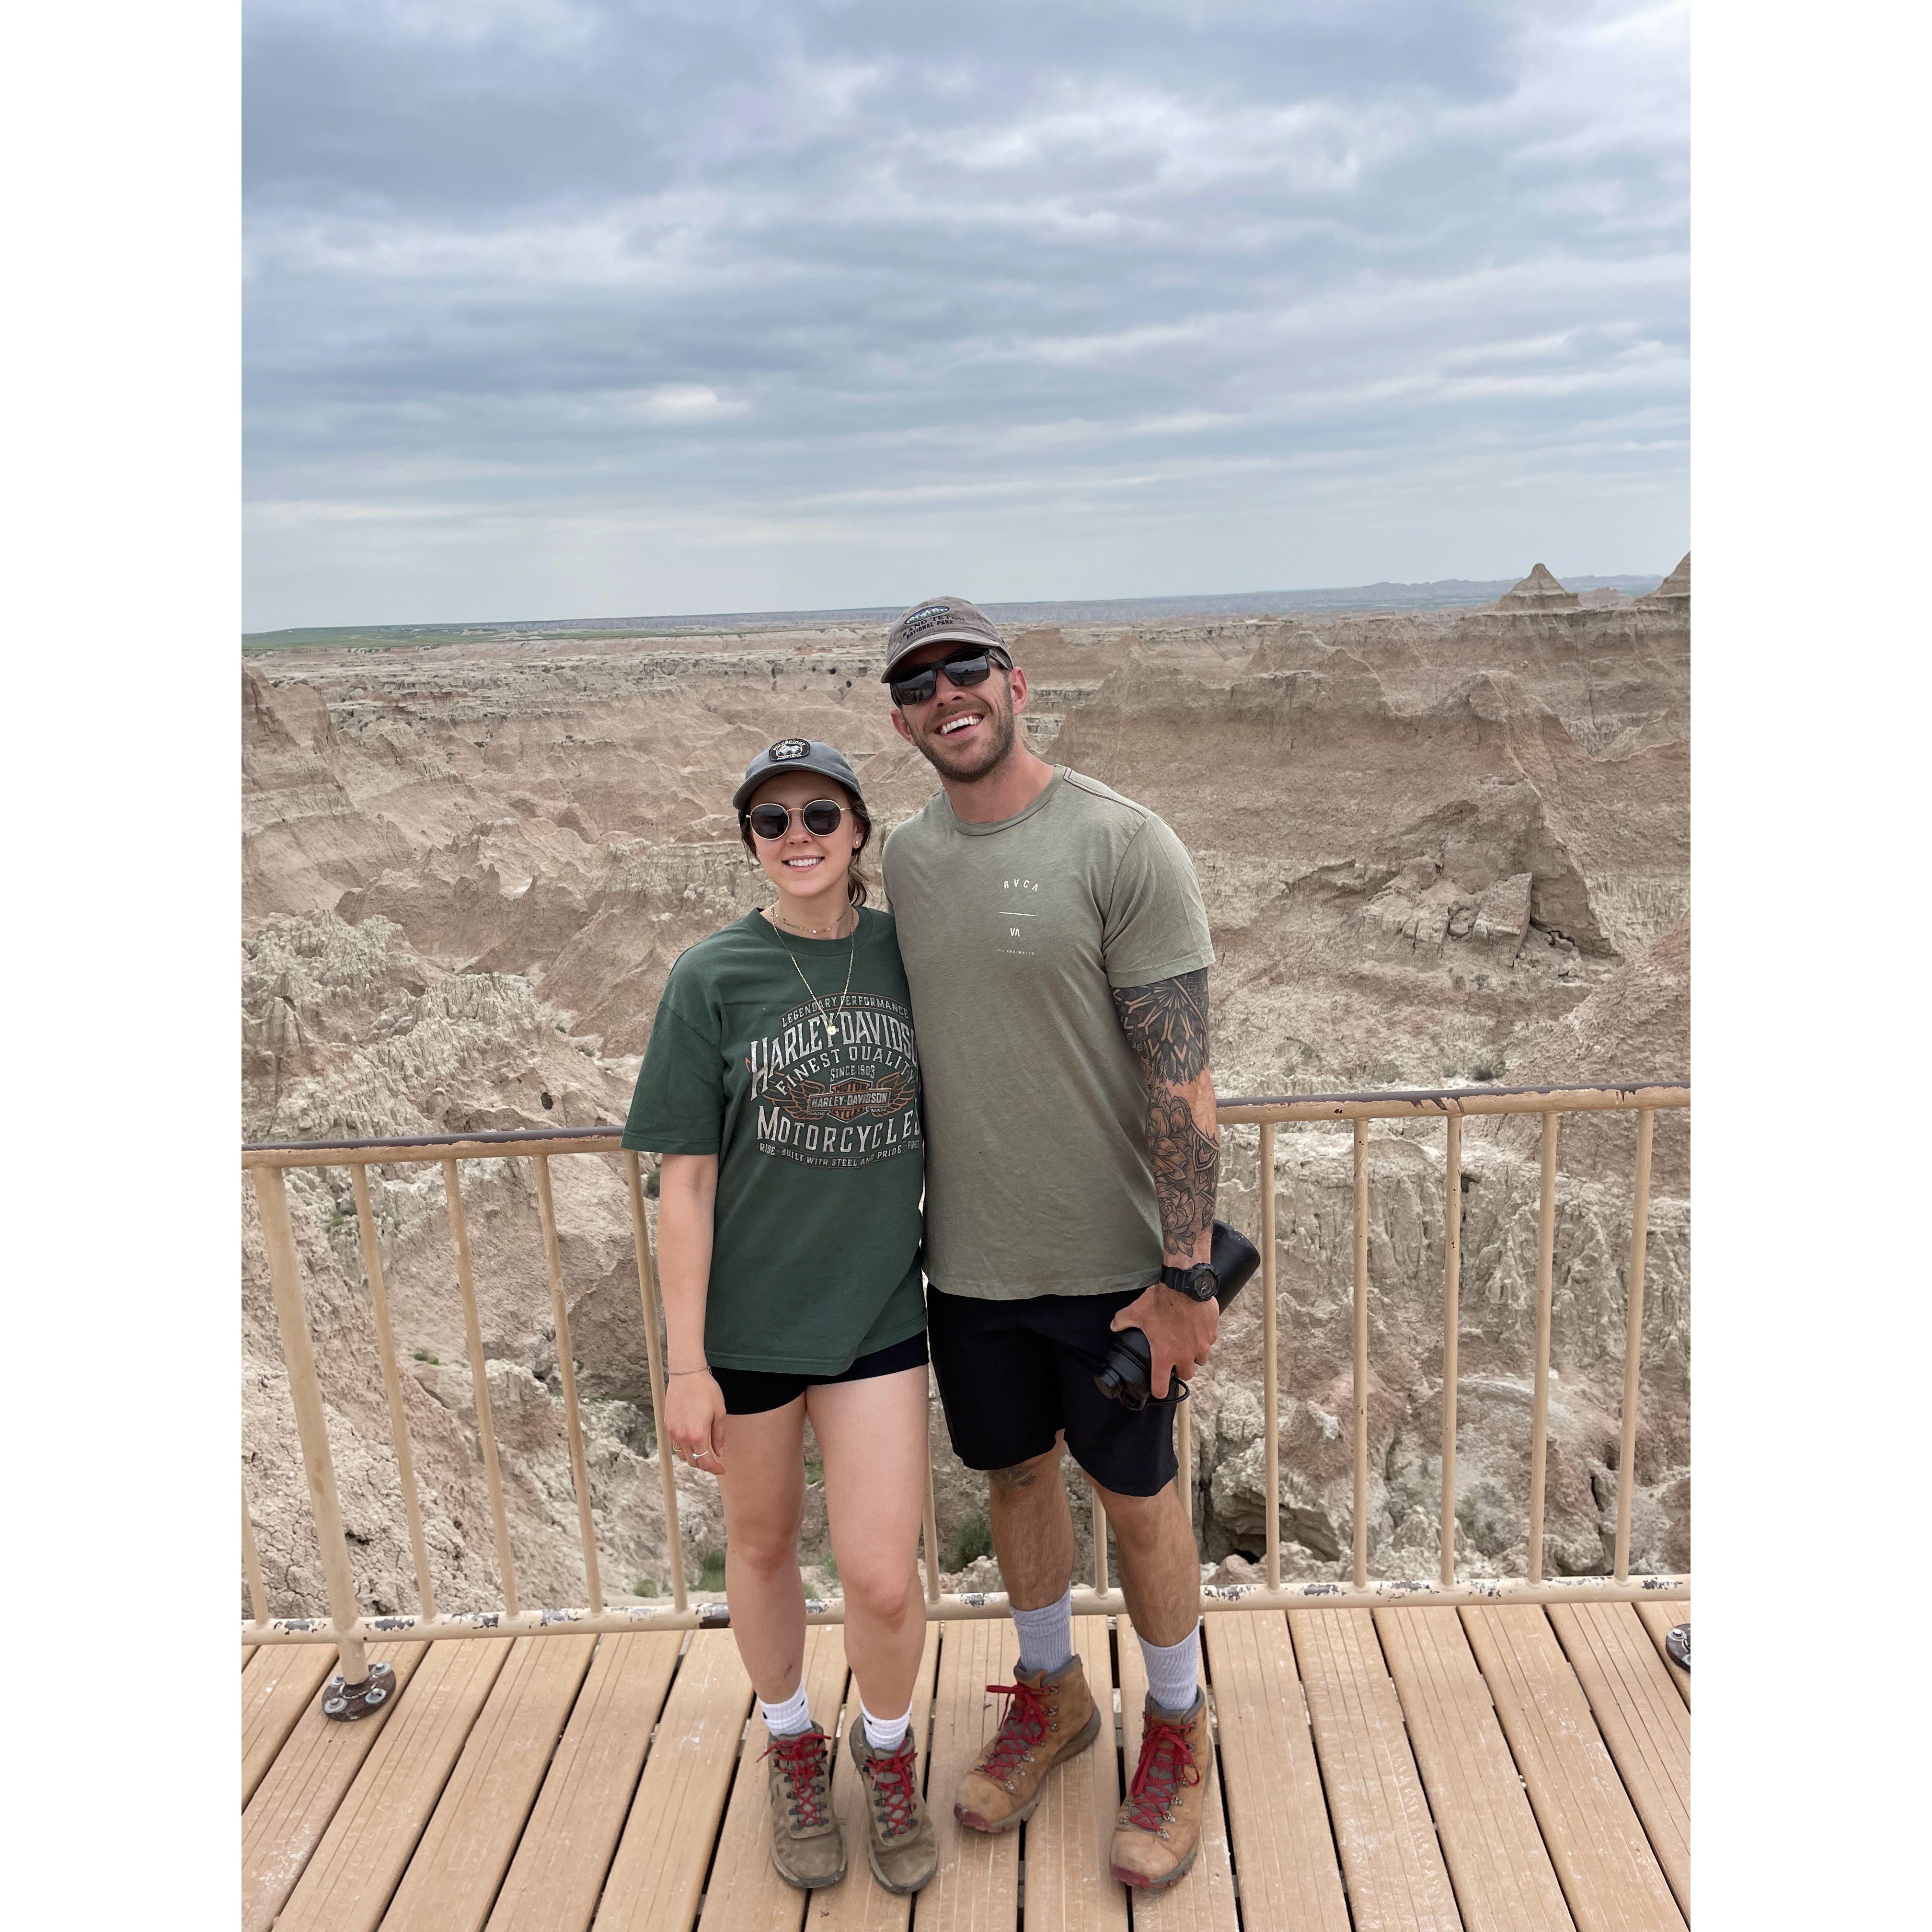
[[562, 308]]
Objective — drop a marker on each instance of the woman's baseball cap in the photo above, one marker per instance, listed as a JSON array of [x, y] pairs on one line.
[[796, 755]]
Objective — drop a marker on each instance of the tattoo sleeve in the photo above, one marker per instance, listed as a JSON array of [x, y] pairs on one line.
[[1166, 1025]]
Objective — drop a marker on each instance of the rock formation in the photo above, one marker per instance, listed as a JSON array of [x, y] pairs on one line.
[[1674, 592], [1538, 591], [1434, 847]]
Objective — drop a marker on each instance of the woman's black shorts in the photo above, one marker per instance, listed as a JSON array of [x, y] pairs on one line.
[[1012, 1374], [754, 1391]]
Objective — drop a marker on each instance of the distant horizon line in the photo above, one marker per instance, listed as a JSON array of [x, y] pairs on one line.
[[1384, 593]]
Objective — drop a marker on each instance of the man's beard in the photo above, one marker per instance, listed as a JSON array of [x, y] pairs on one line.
[[968, 770]]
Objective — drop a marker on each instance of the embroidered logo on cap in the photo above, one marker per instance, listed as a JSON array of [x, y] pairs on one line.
[[788, 748], [924, 620]]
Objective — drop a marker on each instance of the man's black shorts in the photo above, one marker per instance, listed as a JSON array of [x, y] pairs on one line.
[[1013, 1374]]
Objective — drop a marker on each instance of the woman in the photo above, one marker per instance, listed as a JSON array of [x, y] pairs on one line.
[[781, 1087]]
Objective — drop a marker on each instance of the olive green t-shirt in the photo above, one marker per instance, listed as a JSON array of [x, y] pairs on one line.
[[808, 1093], [1014, 934]]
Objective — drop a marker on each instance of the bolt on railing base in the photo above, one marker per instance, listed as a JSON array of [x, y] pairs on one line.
[[345, 1702]]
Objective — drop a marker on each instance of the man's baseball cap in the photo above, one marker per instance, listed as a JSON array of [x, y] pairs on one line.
[[939, 620], [796, 755]]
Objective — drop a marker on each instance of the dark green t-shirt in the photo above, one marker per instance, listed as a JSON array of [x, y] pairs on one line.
[[814, 1254]]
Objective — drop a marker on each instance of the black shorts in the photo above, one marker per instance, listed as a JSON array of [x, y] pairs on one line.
[[753, 1391], [1012, 1374]]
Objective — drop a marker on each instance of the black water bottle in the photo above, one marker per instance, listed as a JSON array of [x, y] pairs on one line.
[[1128, 1376]]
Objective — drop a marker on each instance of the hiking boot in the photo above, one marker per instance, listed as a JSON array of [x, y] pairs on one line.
[[901, 1845], [808, 1847], [1047, 1719], [1158, 1831]]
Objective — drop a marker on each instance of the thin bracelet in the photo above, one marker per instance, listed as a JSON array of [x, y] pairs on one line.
[[671, 1375]]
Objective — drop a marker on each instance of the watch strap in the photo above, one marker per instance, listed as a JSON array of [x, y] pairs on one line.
[[1190, 1281]]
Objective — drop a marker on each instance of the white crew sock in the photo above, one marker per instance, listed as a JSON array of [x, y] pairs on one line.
[[1046, 1635], [788, 1719], [1174, 1671], [884, 1734]]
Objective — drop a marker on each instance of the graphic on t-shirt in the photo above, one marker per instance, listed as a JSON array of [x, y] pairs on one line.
[[1018, 913], [837, 1084]]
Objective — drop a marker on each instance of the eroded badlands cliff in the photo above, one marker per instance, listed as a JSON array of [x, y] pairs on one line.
[[1434, 849]]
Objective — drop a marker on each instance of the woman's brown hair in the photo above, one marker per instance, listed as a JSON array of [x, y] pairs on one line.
[[856, 885]]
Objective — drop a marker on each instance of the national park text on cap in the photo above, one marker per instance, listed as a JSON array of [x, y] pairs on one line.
[[938, 620]]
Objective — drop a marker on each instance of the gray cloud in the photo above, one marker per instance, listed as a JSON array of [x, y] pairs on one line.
[[555, 307]]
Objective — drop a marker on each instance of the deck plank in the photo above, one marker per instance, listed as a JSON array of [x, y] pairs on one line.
[[1066, 1853], [745, 1891], [976, 1887], [452, 1880], [349, 1883], [1657, 1619], [1390, 1858], [1610, 1877], [658, 1873], [858, 1905], [276, 1687], [1204, 1901], [1503, 1877], [558, 1872], [1643, 1720], [1283, 1849], [297, 1798]]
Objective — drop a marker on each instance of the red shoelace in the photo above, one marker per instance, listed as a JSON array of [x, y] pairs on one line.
[[1022, 1725], [802, 1762], [891, 1778], [1166, 1764]]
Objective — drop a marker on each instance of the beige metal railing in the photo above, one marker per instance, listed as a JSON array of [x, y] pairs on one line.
[[349, 1631]]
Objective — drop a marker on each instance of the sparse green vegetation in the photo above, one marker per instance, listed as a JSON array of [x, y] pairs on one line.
[[815, 1473], [646, 1586], [424, 1355], [651, 1185], [712, 1575], [1486, 1071], [975, 1540]]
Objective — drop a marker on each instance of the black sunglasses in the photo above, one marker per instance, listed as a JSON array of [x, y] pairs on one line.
[[773, 821], [970, 668]]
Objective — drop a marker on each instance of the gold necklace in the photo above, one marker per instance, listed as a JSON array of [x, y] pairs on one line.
[[851, 953], [811, 932]]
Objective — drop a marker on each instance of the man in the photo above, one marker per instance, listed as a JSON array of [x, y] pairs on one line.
[[1057, 952]]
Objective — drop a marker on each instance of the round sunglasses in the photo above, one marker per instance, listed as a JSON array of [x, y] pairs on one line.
[[821, 816], [969, 668]]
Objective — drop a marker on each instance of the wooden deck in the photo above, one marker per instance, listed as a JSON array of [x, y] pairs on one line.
[[1502, 1769]]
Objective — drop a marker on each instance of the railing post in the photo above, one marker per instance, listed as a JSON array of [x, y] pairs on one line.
[[392, 1384], [1361, 1370], [566, 1369], [358, 1687], [647, 1294], [932, 1590], [479, 1382], [1452, 1278], [1633, 1344], [1270, 1368], [251, 1562], [1546, 1273], [1100, 1585]]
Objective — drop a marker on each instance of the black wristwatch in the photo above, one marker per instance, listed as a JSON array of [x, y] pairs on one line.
[[1198, 1283]]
